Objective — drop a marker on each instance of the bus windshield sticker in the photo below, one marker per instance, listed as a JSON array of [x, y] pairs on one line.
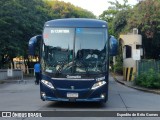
[[60, 31], [101, 78], [45, 36], [78, 30]]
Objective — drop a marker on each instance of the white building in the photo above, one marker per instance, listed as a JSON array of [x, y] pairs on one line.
[[132, 52]]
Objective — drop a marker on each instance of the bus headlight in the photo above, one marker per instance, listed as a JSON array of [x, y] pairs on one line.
[[98, 84], [48, 84]]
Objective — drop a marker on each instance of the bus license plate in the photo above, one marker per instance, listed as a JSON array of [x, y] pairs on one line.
[[72, 95]]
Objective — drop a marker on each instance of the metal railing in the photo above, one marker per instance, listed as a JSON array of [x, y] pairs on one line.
[[11, 74], [145, 65]]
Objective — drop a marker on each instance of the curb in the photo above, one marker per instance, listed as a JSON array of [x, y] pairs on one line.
[[16, 81], [136, 87]]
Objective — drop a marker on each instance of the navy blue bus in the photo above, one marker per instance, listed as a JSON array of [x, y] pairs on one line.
[[75, 59]]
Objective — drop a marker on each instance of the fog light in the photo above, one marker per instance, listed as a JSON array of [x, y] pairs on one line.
[[43, 94], [102, 96]]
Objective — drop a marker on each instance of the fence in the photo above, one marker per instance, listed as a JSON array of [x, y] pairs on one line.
[[145, 65], [16, 74], [11, 74]]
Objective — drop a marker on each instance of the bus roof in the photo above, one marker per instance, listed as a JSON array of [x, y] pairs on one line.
[[76, 22]]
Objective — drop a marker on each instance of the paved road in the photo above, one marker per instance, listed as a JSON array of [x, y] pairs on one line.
[[25, 97]]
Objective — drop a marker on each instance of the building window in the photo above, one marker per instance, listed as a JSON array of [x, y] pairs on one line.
[[128, 51]]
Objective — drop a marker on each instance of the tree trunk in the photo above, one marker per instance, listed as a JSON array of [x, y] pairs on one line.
[[12, 63], [25, 63], [2, 61]]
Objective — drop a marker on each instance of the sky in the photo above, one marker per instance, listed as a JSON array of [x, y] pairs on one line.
[[95, 6]]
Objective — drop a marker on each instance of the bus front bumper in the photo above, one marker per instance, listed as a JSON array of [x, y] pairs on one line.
[[46, 98], [85, 95]]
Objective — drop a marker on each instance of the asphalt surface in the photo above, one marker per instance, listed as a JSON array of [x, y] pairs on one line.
[[25, 97]]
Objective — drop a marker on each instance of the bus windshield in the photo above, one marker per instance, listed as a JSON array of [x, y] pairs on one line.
[[74, 50]]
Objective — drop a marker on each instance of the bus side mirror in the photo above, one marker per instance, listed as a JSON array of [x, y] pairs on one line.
[[32, 44], [113, 46]]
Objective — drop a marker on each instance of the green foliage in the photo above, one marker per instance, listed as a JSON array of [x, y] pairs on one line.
[[116, 16], [22, 19], [118, 67], [149, 79], [61, 9], [145, 16], [120, 22]]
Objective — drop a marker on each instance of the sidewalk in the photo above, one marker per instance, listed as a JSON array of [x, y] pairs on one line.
[[24, 80], [131, 84]]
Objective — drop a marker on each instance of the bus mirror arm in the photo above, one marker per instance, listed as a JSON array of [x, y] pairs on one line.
[[32, 44], [113, 49]]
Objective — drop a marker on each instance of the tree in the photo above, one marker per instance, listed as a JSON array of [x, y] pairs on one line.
[[20, 20], [116, 16], [67, 10], [145, 16]]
